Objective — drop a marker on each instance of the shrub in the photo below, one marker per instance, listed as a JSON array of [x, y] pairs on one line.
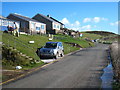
[[12, 57]]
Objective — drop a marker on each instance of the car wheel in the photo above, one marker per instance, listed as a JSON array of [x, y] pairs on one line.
[[41, 57], [57, 55], [62, 54]]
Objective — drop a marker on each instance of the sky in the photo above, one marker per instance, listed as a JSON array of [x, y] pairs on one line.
[[79, 16]]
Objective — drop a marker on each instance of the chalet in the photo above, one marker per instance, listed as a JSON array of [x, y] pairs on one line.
[[52, 26], [61, 24], [28, 25], [5, 22]]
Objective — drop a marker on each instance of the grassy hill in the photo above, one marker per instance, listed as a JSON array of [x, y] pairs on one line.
[[104, 36], [91, 35], [22, 45], [102, 33]]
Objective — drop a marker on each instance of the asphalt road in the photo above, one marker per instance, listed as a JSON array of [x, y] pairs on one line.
[[82, 69]]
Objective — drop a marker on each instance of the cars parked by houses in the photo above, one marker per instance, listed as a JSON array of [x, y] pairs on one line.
[[51, 49]]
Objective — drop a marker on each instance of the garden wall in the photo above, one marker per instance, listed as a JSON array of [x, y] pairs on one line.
[[115, 55]]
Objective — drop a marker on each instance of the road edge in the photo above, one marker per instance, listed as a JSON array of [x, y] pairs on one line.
[[31, 71]]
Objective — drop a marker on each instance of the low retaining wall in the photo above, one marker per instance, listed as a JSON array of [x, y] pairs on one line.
[[114, 51]]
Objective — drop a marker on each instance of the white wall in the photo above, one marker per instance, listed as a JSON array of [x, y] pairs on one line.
[[37, 27], [56, 25]]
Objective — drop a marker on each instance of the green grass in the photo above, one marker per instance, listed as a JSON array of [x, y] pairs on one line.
[[91, 36], [0, 36], [21, 44], [81, 42], [33, 65]]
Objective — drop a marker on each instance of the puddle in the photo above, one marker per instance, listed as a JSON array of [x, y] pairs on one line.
[[107, 77]]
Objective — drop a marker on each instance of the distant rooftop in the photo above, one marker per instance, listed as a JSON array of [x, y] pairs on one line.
[[56, 20], [24, 17], [1, 17], [47, 17]]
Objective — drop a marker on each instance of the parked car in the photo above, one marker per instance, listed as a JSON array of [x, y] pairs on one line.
[[51, 49]]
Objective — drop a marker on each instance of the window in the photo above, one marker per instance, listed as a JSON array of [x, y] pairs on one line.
[[42, 26], [51, 45], [58, 26], [37, 28], [54, 26], [32, 25], [4, 23], [60, 44]]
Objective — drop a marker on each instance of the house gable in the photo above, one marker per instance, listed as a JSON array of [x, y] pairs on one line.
[[27, 24]]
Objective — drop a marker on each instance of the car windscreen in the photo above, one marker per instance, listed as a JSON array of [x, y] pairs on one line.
[[51, 45]]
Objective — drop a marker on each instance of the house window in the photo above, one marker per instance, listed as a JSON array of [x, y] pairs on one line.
[[37, 28], [32, 25], [58, 26], [4, 23], [42, 26], [54, 26]]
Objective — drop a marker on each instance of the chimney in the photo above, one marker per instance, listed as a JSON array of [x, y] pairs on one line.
[[48, 15]]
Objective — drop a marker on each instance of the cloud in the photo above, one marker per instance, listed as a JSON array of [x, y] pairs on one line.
[[77, 23], [86, 27], [115, 23], [74, 26], [104, 19], [87, 20], [95, 26], [112, 24], [65, 21], [94, 19]]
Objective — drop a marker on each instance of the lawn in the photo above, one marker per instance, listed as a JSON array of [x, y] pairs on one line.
[[91, 36], [22, 45], [82, 42], [0, 36]]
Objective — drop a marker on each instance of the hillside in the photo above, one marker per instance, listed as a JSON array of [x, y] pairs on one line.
[[103, 33], [29, 50], [17, 50], [106, 37], [91, 35]]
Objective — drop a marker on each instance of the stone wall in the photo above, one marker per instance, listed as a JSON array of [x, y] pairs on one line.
[[115, 55]]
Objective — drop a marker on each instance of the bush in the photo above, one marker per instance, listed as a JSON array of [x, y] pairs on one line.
[[12, 57]]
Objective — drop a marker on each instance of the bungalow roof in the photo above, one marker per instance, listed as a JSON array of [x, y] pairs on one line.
[[24, 18], [48, 18]]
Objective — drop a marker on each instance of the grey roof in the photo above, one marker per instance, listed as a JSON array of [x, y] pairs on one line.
[[4, 18], [1, 17], [47, 18], [24, 18], [56, 20]]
